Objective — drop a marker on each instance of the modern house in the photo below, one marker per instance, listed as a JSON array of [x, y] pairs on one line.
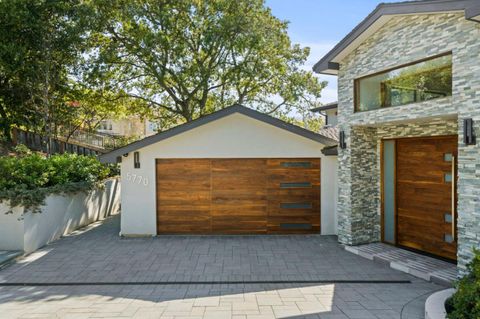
[[235, 171], [408, 110]]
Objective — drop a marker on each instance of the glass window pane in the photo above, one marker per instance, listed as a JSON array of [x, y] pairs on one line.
[[418, 82], [447, 157], [296, 164], [296, 226], [295, 185], [389, 191], [448, 177], [296, 205]]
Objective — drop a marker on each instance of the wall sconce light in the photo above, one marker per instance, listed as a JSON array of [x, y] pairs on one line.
[[468, 132], [125, 155], [136, 159], [343, 144]]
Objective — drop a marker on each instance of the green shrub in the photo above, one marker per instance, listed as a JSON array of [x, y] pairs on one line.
[[22, 150], [465, 303], [26, 180]]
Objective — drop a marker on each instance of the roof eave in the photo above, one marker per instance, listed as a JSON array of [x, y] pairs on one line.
[[330, 151], [473, 13], [325, 107], [388, 10], [111, 157]]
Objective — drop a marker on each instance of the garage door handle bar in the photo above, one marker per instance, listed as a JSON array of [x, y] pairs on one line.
[[453, 198]]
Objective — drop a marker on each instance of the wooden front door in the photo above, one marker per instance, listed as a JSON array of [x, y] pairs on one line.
[[425, 182], [238, 196]]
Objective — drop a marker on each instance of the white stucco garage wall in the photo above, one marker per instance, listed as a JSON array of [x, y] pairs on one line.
[[233, 136]]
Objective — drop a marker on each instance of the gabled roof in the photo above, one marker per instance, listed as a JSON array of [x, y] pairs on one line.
[[237, 108], [331, 132], [326, 107], [329, 64]]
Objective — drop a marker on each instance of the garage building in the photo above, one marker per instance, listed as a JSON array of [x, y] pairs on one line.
[[235, 171]]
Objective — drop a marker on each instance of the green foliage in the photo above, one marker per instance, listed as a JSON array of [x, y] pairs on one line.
[[466, 301], [120, 141], [22, 150], [185, 59], [41, 48], [27, 180]]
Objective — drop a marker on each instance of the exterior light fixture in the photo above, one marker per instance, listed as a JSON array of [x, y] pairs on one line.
[[343, 144], [468, 132], [136, 159], [119, 159]]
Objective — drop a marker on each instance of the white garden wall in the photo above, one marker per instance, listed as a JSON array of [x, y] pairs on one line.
[[61, 214]]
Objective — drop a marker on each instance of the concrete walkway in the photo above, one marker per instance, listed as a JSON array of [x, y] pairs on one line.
[[7, 256], [96, 274]]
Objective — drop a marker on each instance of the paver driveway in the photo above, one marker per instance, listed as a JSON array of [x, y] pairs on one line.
[[97, 274]]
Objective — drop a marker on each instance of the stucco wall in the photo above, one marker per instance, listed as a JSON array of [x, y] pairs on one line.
[[403, 40], [61, 214], [234, 136]]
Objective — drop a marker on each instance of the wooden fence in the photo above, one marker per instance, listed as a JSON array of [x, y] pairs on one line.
[[60, 144]]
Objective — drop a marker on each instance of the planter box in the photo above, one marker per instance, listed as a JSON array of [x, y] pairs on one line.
[[61, 214], [435, 304]]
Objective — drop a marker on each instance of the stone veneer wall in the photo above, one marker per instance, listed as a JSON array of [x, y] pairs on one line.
[[403, 40]]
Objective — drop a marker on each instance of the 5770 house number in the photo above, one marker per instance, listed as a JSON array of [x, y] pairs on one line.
[[137, 179]]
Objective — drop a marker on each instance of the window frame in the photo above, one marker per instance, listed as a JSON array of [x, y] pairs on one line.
[[356, 81]]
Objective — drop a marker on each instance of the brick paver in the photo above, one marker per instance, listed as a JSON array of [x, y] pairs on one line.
[[99, 255]]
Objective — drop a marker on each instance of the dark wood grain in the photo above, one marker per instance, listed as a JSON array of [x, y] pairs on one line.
[[236, 196], [183, 196], [423, 195]]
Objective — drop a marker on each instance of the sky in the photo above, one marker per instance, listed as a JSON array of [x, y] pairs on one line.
[[320, 25]]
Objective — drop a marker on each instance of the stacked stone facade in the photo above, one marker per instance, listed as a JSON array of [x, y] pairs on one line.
[[406, 39]]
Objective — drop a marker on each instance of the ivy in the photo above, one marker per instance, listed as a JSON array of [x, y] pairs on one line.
[[28, 179]]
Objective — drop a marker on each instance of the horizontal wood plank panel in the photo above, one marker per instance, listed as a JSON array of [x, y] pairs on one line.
[[237, 196], [423, 194], [239, 203], [277, 215], [183, 196]]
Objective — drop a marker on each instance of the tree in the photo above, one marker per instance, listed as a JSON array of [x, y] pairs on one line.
[[45, 85], [188, 58], [18, 31]]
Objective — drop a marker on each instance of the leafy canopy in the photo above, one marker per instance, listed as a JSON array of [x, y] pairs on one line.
[[188, 58]]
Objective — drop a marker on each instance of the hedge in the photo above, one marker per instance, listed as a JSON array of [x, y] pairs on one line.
[[27, 179]]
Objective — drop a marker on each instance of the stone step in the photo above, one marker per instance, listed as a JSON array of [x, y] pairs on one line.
[[415, 264]]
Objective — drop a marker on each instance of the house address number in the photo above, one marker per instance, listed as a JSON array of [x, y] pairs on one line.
[[137, 179]]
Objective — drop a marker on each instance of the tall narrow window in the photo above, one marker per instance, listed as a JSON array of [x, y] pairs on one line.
[[136, 159], [417, 82]]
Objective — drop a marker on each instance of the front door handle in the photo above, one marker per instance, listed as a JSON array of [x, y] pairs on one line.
[[453, 198]]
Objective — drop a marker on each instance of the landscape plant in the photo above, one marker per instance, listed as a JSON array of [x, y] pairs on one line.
[[465, 302], [26, 180]]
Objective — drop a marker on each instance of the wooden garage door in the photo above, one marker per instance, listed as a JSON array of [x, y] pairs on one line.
[[238, 196]]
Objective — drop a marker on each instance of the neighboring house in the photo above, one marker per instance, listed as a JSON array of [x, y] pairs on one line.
[[329, 111], [408, 89], [129, 127], [235, 171]]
